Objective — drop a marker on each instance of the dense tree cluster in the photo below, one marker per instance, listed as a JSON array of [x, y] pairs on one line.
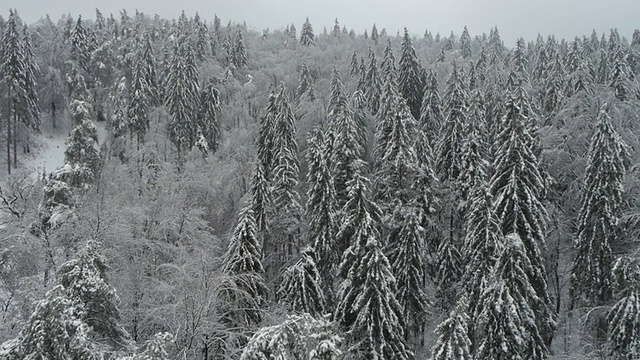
[[321, 195]]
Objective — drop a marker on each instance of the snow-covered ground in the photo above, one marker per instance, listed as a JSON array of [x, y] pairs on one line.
[[49, 155]]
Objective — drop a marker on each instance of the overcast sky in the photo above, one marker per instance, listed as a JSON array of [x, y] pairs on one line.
[[514, 18]]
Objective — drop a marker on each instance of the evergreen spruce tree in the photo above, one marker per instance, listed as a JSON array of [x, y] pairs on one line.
[[31, 111], [305, 83], [431, 118], [599, 217], [180, 96], [292, 32], [396, 168], [307, 38], [261, 199], [208, 122], [473, 171], [286, 199], [406, 255], [367, 307], [410, 80], [150, 70], [12, 70], [345, 139], [453, 342], [619, 78], [449, 269], [239, 52], [78, 319], [508, 308], [465, 43], [388, 66], [265, 141], [78, 38], [374, 34], [623, 318], [355, 64], [373, 84], [201, 34], [322, 208], [450, 148], [301, 287], [243, 290], [518, 188], [336, 29], [483, 245], [138, 104], [84, 280]]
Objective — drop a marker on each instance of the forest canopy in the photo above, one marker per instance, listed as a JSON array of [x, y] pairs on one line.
[[226, 193]]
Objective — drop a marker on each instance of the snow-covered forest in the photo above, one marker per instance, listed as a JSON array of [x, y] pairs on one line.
[[191, 188]]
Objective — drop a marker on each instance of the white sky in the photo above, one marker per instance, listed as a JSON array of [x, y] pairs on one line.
[[514, 18]]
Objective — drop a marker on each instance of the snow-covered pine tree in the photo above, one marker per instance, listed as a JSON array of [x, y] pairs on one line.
[[517, 186], [620, 75], [343, 140], [181, 95], [298, 337], [200, 34], [406, 255], [85, 282], [305, 83], [483, 245], [322, 209], [150, 69], [261, 199], [54, 331], [355, 64], [286, 199], [474, 163], [410, 82], [367, 307], [208, 122], [360, 216], [301, 287], [453, 343], [82, 160], [397, 165], [374, 34], [243, 290], [31, 110], [265, 141], [307, 38], [137, 111], [388, 66], [80, 50], [599, 217], [336, 29], [624, 328], [431, 118], [465, 43], [508, 318], [78, 319], [449, 268], [373, 84], [239, 53], [450, 148], [12, 70], [623, 318]]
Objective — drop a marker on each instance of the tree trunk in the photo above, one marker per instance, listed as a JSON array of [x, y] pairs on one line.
[[53, 114], [15, 140], [9, 133]]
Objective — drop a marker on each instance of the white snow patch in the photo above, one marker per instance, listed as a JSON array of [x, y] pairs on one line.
[[49, 156]]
